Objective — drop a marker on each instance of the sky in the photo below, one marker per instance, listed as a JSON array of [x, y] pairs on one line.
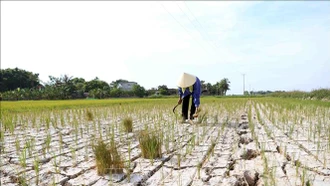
[[278, 45]]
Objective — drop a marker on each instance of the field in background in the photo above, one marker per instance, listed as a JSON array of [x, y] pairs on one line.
[[271, 140], [318, 94]]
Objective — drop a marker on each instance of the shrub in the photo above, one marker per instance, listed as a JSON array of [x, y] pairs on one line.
[[320, 93], [107, 159], [150, 144], [128, 124]]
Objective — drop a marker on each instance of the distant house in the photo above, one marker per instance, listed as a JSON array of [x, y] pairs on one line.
[[126, 86]]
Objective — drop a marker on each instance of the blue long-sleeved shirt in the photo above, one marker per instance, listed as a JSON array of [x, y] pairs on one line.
[[196, 92]]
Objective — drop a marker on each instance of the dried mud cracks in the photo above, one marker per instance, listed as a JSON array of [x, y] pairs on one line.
[[220, 154]]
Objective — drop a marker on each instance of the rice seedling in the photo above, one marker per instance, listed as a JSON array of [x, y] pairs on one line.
[[203, 116], [199, 166], [9, 125], [107, 158], [178, 155], [34, 121], [129, 160], [150, 143], [36, 169], [54, 122], [73, 156], [272, 176], [191, 144], [216, 119], [303, 176], [128, 124], [22, 158], [62, 121], [29, 145], [21, 180], [48, 140], [55, 164], [89, 115], [265, 169], [47, 120]]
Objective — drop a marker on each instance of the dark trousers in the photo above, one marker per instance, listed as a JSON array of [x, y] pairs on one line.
[[185, 107]]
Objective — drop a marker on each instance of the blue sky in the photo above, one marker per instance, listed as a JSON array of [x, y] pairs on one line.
[[279, 45]]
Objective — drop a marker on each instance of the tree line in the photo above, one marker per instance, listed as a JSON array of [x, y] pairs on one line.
[[19, 84]]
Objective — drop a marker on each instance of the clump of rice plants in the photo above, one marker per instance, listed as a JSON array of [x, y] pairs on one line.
[[202, 116], [128, 124], [150, 144], [89, 115], [107, 158]]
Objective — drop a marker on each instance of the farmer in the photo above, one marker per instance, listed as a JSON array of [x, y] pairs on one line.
[[189, 85]]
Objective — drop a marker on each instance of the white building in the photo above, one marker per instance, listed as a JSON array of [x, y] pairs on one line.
[[126, 86]]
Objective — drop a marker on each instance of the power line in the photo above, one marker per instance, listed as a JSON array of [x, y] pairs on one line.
[[193, 24], [183, 27], [198, 22]]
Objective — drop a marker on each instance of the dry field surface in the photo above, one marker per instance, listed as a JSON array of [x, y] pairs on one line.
[[237, 141]]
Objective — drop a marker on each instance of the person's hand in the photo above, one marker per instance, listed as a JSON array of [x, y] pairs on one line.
[[179, 101], [196, 112]]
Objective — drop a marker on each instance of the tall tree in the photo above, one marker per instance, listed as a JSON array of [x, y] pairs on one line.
[[163, 90], [203, 84], [96, 83], [139, 91], [151, 91], [80, 86], [11, 79], [224, 86], [209, 88]]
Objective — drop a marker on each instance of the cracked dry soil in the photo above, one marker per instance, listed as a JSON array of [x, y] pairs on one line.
[[238, 152]]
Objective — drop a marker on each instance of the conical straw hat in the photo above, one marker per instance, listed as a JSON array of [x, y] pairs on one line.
[[186, 80]]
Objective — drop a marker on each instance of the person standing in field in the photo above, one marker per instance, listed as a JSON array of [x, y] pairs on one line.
[[189, 86]]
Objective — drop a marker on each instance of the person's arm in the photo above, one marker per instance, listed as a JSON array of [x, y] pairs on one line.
[[197, 93], [180, 95]]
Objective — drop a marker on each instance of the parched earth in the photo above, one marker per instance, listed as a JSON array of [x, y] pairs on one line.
[[237, 152]]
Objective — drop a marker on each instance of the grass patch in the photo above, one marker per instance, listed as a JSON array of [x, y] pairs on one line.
[[150, 144], [107, 158], [128, 124]]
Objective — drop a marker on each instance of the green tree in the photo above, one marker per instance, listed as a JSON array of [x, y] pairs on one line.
[[163, 90], [224, 86], [139, 91], [203, 85], [151, 91], [11, 79], [95, 84], [209, 88], [79, 87], [60, 87], [116, 92]]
